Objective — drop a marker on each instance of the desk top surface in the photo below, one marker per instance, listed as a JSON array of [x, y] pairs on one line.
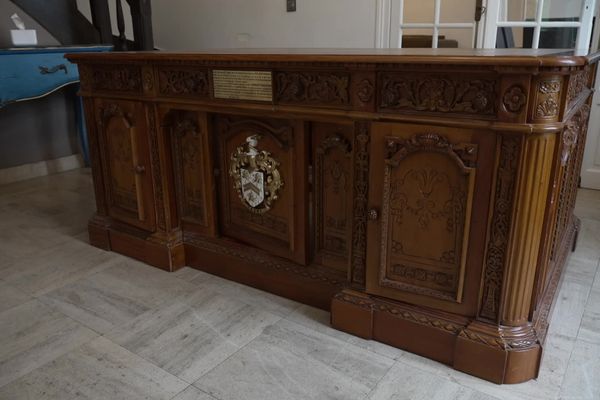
[[541, 57]]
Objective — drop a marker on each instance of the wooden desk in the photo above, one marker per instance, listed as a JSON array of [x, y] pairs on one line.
[[424, 196]]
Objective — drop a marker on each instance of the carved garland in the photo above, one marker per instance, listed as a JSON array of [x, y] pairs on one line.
[[438, 93], [361, 187], [174, 81], [500, 227], [312, 88]]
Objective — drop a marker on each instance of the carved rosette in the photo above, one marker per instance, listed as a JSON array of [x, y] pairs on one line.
[[120, 78], [183, 82], [514, 99], [365, 91], [315, 88], [255, 176], [437, 93], [497, 244]]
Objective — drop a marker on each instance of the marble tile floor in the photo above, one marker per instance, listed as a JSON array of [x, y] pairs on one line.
[[80, 323]]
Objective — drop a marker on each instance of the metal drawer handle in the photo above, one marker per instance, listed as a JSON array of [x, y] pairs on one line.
[[373, 214], [139, 169], [51, 70]]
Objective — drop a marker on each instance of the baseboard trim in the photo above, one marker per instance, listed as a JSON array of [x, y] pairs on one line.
[[41, 168]]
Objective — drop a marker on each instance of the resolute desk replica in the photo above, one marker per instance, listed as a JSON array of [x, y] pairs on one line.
[[424, 196]]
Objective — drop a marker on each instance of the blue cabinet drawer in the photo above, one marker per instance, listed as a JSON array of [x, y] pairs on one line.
[[25, 74]]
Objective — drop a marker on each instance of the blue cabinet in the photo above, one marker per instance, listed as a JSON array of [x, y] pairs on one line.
[[31, 73]]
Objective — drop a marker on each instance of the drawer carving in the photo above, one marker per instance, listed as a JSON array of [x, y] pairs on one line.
[[436, 93], [317, 88]]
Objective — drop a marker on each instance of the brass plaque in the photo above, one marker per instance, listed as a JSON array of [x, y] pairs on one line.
[[242, 85]]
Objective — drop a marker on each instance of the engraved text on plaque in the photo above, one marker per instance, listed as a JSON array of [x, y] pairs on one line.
[[242, 85]]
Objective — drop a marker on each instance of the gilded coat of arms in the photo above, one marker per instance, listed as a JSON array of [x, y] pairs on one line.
[[255, 176]]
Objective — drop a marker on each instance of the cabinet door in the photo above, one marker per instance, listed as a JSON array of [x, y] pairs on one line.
[[263, 185], [126, 161], [429, 212]]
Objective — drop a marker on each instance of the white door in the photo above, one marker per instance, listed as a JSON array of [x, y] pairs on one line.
[[590, 170]]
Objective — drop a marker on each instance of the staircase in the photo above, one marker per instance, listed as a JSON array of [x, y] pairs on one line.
[[69, 26]]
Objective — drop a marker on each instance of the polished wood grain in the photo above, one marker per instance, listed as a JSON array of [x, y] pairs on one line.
[[424, 196]]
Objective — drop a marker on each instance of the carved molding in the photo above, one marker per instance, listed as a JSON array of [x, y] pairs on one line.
[[401, 313], [190, 203], [147, 79], [361, 188], [183, 82], [497, 243], [260, 257], [504, 339], [514, 99], [437, 93], [156, 171], [326, 224], [316, 88]]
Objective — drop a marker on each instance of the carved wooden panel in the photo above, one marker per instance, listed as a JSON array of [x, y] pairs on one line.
[[124, 149], [547, 99], [333, 194], [578, 82], [314, 88], [118, 78], [428, 188], [180, 81], [278, 150], [424, 239], [442, 93], [571, 156], [192, 166]]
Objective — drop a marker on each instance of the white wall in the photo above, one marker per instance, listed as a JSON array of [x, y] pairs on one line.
[[198, 24]]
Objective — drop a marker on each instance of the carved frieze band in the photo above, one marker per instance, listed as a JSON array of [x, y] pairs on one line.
[[497, 244], [361, 185], [436, 93], [314, 88], [119, 78], [183, 82]]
